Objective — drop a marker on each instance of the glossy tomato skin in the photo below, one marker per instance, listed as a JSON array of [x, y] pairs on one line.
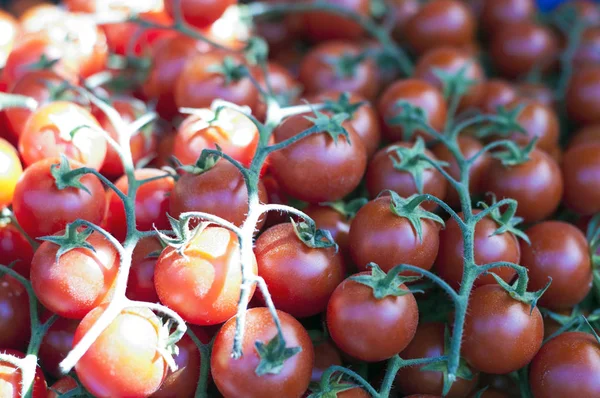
[[566, 366], [496, 93], [56, 344], [11, 379], [15, 326], [488, 248], [79, 281], [10, 173], [587, 51], [402, 11], [495, 15], [300, 278], [493, 316], [283, 83], [151, 204], [140, 286], [204, 285], [320, 70], [418, 93], [441, 23], [135, 367], [47, 133], [559, 251], [382, 175], [317, 169], [42, 209], [378, 235], [356, 321], [429, 343], [326, 355], [220, 191], [536, 185], [581, 173], [182, 382], [517, 48], [583, 96], [199, 13], [14, 247], [539, 121], [323, 26], [236, 377]]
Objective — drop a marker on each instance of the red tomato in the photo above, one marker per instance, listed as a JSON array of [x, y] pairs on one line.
[[62, 386], [182, 382], [587, 51], [583, 96], [326, 355], [15, 326], [402, 11], [496, 93], [10, 172], [582, 178], [237, 377], [11, 379], [199, 13], [283, 84], [15, 247], [140, 286], [328, 218], [586, 135], [131, 341], [56, 344], [496, 14], [322, 26]]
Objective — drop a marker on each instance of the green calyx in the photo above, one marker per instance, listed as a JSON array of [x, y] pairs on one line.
[[333, 388], [454, 84], [515, 155], [347, 209], [332, 125], [517, 292], [183, 235], [73, 238], [507, 221], [256, 50], [410, 117], [385, 285], [63, 177], [230, 69], [343, 105], [312, 237], [409, 208], [43, 63], [273, 355], [345, 65], [206, 161]]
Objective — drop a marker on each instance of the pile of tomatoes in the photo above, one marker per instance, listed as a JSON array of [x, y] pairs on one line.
[[317, 198]]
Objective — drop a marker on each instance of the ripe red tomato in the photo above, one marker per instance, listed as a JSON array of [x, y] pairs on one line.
[[140, 286], [131, 341], [429, 343], [221, 191], [356, 320], [586, 135], [402, 11], [203, 285], [536, 185], [10, 172], [317, 168], [583, 96], [378, 235], [492, 317], [283, 84], [237, 377], [418, 93], [566, 366], [300, 278], [62, 386], [15, 247], [559, 251], [151, 204], [56, 344], [199, 13], [15, 326], [323, 26], [42, 209], [441, 23], [587, 51], [11, 379], [496, 93], [580, 168], [182, 382], [326, 355], [495, 15]]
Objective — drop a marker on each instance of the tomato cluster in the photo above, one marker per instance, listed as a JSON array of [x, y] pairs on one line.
[[345, 198]]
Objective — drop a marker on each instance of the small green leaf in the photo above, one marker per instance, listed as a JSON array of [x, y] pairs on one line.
[[71, 239], [506, 123], [312, 237], [63, 178], [273, 355], [530, 298], [507, 221], [405, 207], [347, 209], [206, 161], [410, 117], [383, 284], [454, 84], [230, 69], [257, 50], [343, 105], [333, 125], [515, 155]]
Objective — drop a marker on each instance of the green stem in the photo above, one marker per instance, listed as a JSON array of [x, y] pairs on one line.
[[327, 374]]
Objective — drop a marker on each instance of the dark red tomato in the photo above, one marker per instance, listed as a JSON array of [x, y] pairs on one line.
[[581, 174], [492, 317], [496, 93], [280, 30], [56, 344], [356, 321], [495, 15], [378, 235], [402, 11], [237, 377], [48, 133], [488, 248], [14, 306], [15, 247], [583, 96], [587, 53], [559, 251], [10, 172], [11, 379], [203, 285], [317, 168], [327, 218], [140, 286], [537, 92], [566, 366], [283, 84], [220, 191], [164, 150], [132, 342], [586, 135], [452, 60], [518, 48], [326, 355], [182, 382], [586, 10], [79, 281], [232, 131], [418, 93], [323, 26], [441, 23], [326, 68], [300, 278], [469, 146], [62, 386], [382, 175], [199, 13], [429, 343], [198, 85], [42, 209], [536, 185], [10, 28], [151, 204]]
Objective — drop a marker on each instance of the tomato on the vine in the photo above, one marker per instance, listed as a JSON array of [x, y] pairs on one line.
[[140, 286], [495, 14], [10, 172], [326, 355], [583, 96], [198, 13], [581, 175], [11, 378], [323, 26], [496, 93], [332, 220]]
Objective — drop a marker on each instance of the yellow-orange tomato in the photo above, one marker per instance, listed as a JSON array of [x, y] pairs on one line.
[[10, 171]]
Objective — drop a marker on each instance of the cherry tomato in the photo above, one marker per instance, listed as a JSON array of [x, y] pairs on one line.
[[283, 84], [10, 172], [323, 26], [198, 13], [15, 327], [14, 247], [418, 93], [151, 203], [327, 218], [495, 15], [10, 29], [131, 341], [441, 23], [11, 379], [496, 93], [493, 316], [326, 355], [586, 53], [402, 11], [559, 251], [568, 366], [536, 185], [56, 344], [429, 343], [140, 286], [583, 96], [62, 386], [317, 168], [581, 176], [237, 377], [586, 135], [182, 382], [378, 235]]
